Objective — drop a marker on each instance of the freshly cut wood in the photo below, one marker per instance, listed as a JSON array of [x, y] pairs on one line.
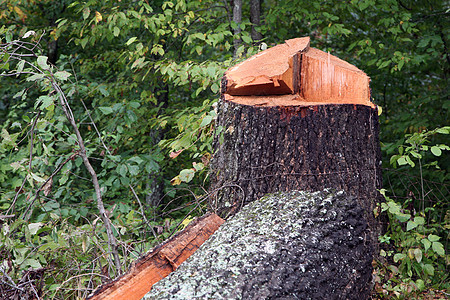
[[302, 75], [325, 77], [160, 262], [270, 72]]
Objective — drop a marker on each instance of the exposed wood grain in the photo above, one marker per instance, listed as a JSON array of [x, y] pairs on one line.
[[269, 72], [293, 74], [325, 77], [160, 262]]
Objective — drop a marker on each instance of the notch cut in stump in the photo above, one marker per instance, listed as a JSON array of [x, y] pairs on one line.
[[295, 118], [160, 262]]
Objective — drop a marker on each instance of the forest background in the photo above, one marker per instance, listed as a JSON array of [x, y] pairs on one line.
[[129, 87]]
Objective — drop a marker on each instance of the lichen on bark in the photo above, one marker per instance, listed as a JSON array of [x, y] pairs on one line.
[[290, 245]]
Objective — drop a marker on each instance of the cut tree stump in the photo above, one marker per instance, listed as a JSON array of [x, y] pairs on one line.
[[295, 118], [159, 262]]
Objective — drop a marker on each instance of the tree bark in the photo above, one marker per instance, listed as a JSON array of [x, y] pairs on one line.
[[255, 13], [237, 19], [294, 245], [270, 142]]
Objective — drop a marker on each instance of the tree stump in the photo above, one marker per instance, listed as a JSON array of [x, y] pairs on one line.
[[295, 118]]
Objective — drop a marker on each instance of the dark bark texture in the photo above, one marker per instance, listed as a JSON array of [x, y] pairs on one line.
[[294, 245], [255, 13], [260, 150]]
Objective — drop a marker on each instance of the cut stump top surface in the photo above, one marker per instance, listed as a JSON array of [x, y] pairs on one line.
[[295, 74]]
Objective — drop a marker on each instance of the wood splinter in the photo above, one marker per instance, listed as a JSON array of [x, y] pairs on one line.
[[159, 262]]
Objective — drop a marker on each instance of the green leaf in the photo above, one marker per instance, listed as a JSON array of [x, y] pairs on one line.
[[42, 62], [198, 166], [419, 220], [34, 227], [116, 31], [426, 243], [402, 161], [122, 170], [433, 238], [45, 101], [423, 42], [400, 64], [20, 66], [436, 151], [35, 77], [399, 256], [206, 121], [106, 110], [429, 269], [33, 263], [443, 130], [384, 64], [410, 162], [394, 159], [410, 225], [403, 217], [214, 88], [418, 255], [420, 284], [84, 41], [134, 170], [438, 248], [103, 90], [186, 175], [63, 179], [62, 75], [86, 13], [130, 41], [134, 104], [37, 178]]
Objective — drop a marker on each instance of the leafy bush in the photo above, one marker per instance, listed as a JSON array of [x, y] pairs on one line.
[[416, 260]]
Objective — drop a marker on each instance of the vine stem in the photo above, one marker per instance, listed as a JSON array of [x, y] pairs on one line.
[[112, 243]]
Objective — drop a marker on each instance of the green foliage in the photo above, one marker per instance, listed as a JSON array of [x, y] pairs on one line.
[[142, 79], [62, 250], [417, 257], [417, 148]]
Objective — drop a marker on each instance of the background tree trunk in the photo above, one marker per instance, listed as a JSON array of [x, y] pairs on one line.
[[255, 12], [237, 18]]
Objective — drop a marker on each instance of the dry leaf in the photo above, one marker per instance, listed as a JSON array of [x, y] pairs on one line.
[[47, 188], [175, 153]]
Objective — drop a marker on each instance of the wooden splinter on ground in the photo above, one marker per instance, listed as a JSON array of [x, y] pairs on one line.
[[159, 262], [295, 118]]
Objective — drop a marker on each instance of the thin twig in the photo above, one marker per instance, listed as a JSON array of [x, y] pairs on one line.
[[142, 211], [13, 284], [112, 244]]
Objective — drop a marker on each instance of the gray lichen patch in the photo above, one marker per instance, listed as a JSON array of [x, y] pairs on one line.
[[294, 245]]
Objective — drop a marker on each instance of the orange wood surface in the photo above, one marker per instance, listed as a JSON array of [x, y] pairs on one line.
[[293, 73], [326, 77], [269, 72], [160, 262]]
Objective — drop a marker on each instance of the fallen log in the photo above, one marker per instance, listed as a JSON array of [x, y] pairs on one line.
[[159, 262], [290, 245]]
